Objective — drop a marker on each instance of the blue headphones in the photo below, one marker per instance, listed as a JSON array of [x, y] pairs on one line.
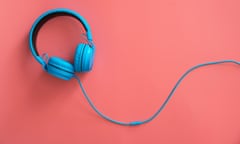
[[58, 67], [83, 62]]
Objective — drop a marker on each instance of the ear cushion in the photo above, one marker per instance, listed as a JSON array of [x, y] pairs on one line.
[[78, 57], [83, 59], [60, 68], [88, 57]]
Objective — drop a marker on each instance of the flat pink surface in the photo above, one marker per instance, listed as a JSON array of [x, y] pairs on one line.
[[143, 47]]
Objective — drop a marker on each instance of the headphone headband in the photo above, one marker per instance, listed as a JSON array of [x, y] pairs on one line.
[[47, 16]]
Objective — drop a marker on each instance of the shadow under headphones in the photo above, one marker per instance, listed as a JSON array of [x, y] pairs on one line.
[[83, 61]]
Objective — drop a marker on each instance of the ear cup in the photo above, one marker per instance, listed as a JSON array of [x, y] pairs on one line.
[[88, 57], [78, 57], [84, 57], [60, 68]]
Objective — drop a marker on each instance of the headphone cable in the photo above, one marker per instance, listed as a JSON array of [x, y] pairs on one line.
[[135, 123]]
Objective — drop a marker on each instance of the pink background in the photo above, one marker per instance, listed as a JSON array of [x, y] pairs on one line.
[[143, 47]]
